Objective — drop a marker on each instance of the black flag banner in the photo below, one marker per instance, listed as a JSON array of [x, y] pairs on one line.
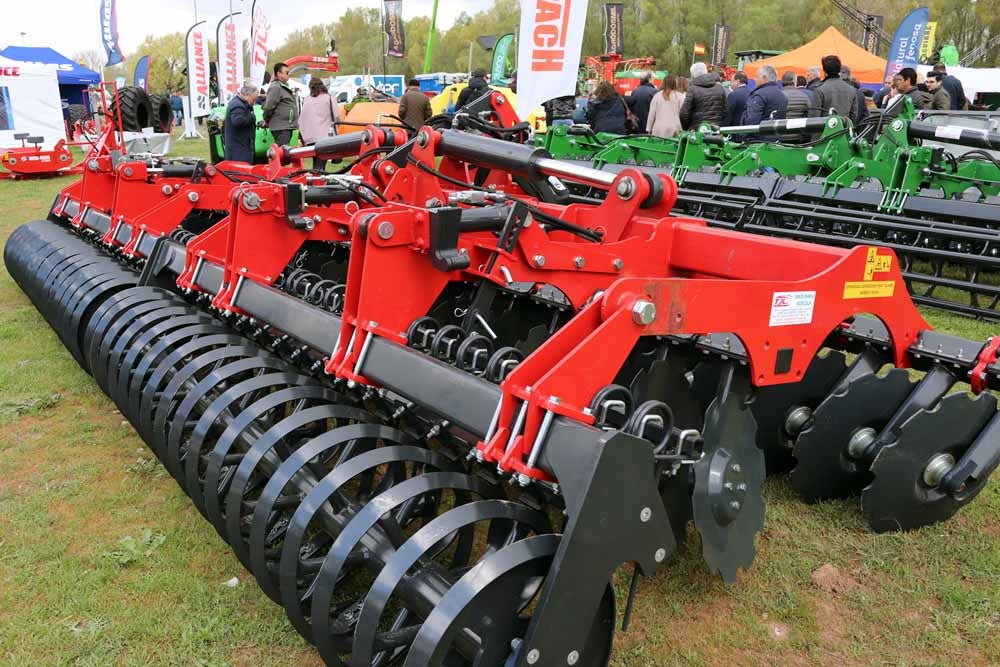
[[614, 38], [393, 27], [720, 43]]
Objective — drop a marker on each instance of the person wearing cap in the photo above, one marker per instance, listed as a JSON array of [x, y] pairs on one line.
[[477, 88]]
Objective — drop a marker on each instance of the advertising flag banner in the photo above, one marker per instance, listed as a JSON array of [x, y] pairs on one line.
[[501, 68], [258, 49], [905, 48], [140, 77], [873, 26], [699, 49], [109, 32], [548, 53], [614, 35], [199, 91], [720, 43], [927, 46], [230, 59], [395, 37]]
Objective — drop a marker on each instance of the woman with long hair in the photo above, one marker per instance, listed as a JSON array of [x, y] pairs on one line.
[[664, 110], [606, 111], [319, 113]]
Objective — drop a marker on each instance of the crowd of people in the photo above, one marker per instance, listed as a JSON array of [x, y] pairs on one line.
[[683, 104]]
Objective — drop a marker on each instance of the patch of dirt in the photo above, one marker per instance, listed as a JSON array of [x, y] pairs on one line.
[[777, 631], [831, 579], [830, 623]]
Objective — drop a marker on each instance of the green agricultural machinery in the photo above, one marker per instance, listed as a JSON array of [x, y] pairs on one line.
[[826, 181]]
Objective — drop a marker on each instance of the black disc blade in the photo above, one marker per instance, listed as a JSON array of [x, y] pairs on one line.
[[900, 497], [824, 469]]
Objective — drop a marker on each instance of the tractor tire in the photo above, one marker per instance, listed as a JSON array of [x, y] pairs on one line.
[[163, 115], [136, 111], [77, 112]]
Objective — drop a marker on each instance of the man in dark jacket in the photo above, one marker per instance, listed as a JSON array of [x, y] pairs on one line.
[[798, 102], [281, 109], [862, 104], [414, 107], [908, 86], [240, 126], [477, 88], [953, 86], [835, 93], [638, 101], [705, 101], [940, 100], [736, 103], [766, 102], [814, 79]]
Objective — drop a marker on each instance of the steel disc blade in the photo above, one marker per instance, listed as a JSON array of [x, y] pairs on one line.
[[899, 497], [824, 470], [772, 405], [727, 502]]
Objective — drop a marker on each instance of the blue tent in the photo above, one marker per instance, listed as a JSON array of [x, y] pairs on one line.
[[73, 77]]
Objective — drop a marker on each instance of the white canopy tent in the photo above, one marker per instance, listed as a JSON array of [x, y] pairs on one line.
[[29, 103], [974, 79]]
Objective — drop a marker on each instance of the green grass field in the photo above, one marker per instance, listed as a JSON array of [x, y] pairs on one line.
[[104, 561]]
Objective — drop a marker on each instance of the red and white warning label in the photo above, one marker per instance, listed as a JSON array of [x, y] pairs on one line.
[[789, 308]]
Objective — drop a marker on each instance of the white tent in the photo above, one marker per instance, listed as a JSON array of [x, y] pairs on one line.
[[29, 103], [974, 79]]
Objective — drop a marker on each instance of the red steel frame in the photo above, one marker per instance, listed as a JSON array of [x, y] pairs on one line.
[[700, 280]]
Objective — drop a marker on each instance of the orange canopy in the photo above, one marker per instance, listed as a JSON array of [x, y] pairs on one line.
[[865, 67]]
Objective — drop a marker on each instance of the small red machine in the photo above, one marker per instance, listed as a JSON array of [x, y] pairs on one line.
[[33, 161]]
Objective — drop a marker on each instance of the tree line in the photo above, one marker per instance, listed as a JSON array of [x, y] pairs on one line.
[[663, 29]]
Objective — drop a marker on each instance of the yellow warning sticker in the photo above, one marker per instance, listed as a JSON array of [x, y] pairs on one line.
[[869, 289], [875, 263]]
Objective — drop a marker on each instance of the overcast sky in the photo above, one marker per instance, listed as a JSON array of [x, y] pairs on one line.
[[70, 26]]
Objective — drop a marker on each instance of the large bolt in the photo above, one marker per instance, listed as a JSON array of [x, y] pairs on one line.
[[129, 171], [573, 657], [660, 555], [797, 420], [645, 515], [167, 190], [625, 188], [92, 165], [193, 197], [422, 139], [385, 230], [939, 466], [533, 656], [618, 264], [251, 201], [578, 262], [860, 441], [643, 312], [539, 260]]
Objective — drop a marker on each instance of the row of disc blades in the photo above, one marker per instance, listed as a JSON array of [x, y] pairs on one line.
[[380, 549]]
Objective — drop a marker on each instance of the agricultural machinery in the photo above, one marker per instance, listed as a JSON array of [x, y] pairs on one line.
[[828, 182], [433, 412]]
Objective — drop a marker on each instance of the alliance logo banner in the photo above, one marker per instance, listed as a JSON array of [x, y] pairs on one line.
[[109, 32]]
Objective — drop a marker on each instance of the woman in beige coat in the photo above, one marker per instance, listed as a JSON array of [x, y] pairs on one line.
[[664, 110]]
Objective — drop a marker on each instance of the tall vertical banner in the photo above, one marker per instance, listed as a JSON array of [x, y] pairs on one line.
[[720, 43], [500, 69], [927, 46], [140, 77], [229, 59], [873, 26], [548, 53], [395, 37], [199, 91], [258, 48], [614, 22], [109, 32], [905, 48]]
